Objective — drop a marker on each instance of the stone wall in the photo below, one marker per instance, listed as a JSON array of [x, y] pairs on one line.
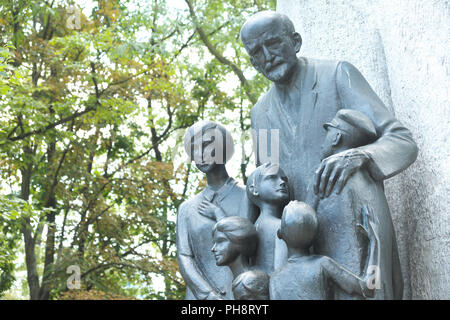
[[401, 47]]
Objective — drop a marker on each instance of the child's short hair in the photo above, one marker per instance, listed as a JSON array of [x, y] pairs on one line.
[[241, 232], [254, 282], [298, 221]]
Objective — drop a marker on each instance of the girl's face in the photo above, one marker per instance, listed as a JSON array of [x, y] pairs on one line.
[[224, 250], [273, 186]]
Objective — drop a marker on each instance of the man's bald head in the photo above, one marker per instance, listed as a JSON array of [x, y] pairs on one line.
[[263, 19]]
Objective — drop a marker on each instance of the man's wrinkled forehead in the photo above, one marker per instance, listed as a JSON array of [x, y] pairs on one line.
[[260, 29]]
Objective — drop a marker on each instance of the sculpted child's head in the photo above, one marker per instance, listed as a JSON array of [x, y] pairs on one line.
[[298, 225], [348, 129], [269, 184], [251, 285], [209, 144], [233, 236]]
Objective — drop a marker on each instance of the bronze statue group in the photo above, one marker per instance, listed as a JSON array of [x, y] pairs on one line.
[[312, 221]]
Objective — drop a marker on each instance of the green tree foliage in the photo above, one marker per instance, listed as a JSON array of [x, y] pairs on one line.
[[94, 104]]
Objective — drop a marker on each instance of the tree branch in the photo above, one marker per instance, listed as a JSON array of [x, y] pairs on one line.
[[222, 59], [50, 126]]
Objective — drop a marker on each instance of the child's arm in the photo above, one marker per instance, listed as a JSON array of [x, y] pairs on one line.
[[346, 279]]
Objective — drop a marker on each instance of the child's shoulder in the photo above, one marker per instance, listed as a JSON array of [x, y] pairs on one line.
[[280, 273], [323, 262]]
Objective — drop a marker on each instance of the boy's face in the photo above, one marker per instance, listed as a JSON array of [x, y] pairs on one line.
[[224, 250], [328, 147], [273, 186]]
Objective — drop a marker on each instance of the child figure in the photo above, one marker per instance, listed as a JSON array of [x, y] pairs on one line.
[[235, 242], [251, 285], [267, 189], [312, 277], [339, 212]]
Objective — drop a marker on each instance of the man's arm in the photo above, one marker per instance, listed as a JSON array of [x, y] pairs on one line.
[[395, 149], [188, 268], [391, 153]]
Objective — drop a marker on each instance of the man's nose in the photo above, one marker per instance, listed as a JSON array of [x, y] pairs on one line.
[[267, 53], [213, 249]]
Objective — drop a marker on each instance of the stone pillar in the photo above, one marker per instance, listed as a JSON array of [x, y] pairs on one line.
[[401, 47]]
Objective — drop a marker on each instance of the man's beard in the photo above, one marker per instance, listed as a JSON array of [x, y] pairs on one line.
[[279, 73]]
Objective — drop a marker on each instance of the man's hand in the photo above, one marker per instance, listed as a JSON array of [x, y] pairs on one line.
[[336, 169]]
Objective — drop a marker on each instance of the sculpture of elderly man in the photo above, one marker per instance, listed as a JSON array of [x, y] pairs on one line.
[[307, 93]]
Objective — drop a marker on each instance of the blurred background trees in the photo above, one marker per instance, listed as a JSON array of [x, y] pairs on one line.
[[95, 97]]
